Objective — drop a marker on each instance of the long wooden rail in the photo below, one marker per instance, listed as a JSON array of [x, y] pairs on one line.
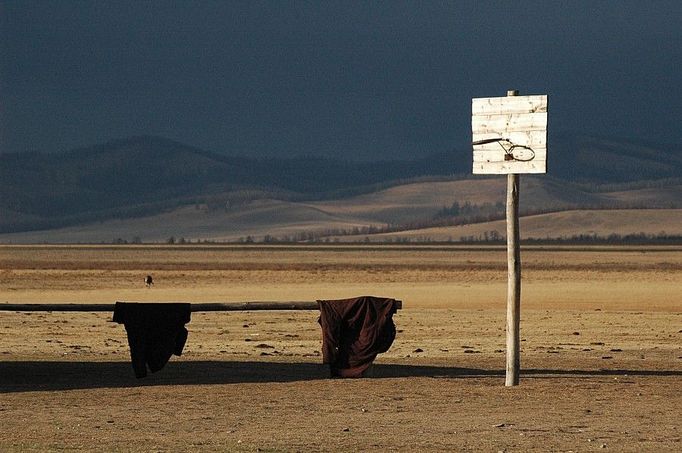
[[198, 307]]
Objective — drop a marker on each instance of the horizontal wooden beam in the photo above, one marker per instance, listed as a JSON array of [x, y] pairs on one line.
[[253, 306], [57, 307], [198, 307]]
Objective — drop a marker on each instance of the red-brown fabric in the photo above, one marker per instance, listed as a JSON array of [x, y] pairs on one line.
[[354, 331]]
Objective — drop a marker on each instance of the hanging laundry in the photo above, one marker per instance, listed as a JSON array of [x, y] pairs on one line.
[[354, 331], [155, 332]]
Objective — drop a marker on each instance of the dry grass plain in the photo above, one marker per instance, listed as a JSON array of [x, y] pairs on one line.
[[601, 351]]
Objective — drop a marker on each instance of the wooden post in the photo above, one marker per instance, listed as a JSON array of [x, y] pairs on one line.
[[509, 136], [513, 278]]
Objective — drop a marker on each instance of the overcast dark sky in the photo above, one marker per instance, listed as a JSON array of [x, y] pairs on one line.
[[363, 80]]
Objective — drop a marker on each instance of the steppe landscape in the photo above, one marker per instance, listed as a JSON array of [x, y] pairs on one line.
[[601, 351], [281, 151]]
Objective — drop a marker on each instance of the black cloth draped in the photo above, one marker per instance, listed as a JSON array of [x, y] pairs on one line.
[[155, 332]]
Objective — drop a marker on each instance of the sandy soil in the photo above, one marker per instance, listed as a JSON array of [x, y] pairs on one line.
[[601, 352]]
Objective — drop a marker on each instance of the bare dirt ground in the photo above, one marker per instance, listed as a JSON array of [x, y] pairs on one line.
[[601, 352]]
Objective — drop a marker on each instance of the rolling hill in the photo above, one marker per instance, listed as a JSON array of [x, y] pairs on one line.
[[558, 225], [151, 188], [601, 160], [399, 205], [147, 175]]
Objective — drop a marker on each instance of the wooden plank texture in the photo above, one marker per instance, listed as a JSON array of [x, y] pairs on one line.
[[509, 104], [528, 138], [491, 154], [520, 120], [504, 123], [510, 167]]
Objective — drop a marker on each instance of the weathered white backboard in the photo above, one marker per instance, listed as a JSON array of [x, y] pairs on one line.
[[509, 134]]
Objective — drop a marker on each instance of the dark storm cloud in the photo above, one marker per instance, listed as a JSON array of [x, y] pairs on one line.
[[363, 80]]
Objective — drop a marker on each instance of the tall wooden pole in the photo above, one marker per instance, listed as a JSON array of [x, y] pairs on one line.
[[513, 278]]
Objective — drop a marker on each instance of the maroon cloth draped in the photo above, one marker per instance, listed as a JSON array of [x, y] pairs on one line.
[[155, 332], [354, 331]]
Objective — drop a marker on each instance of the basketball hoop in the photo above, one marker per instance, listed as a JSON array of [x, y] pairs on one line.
[[509, 151]]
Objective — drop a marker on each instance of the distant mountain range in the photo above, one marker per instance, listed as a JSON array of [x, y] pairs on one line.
[[146, 176]]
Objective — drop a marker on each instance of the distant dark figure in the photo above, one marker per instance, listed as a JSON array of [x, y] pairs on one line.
[[148, 281]]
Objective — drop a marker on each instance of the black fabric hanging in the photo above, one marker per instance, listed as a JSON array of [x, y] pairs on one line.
[[155, 332]]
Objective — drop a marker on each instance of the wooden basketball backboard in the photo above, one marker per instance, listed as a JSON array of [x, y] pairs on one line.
[[509, 134]]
